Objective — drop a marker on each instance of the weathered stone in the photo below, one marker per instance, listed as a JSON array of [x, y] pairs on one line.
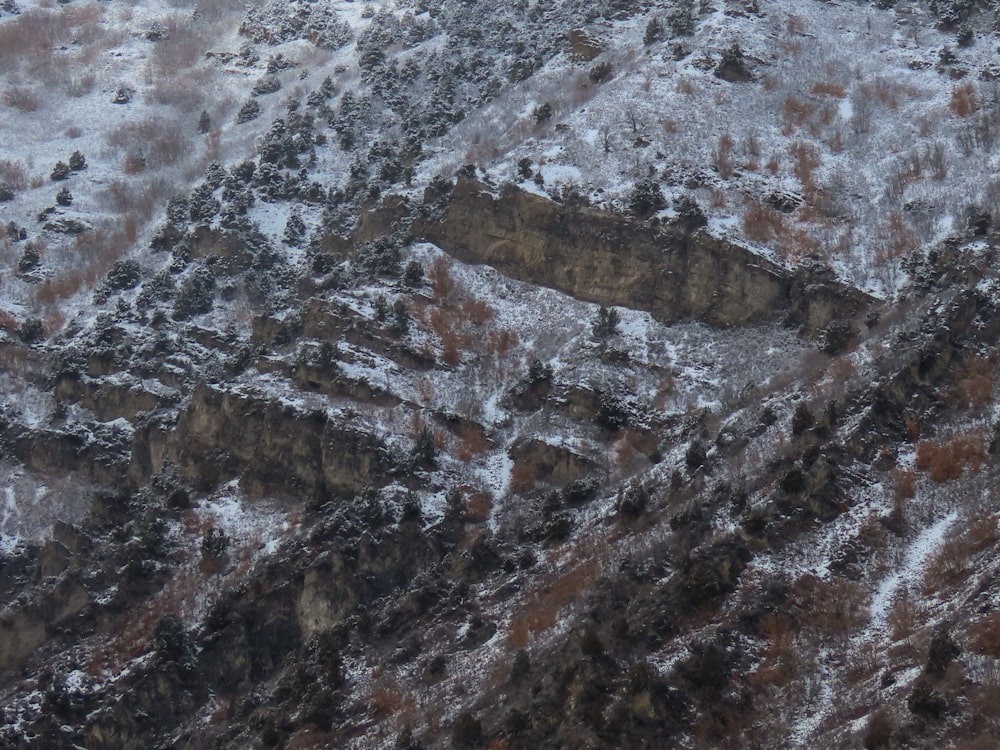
[[613, 260]]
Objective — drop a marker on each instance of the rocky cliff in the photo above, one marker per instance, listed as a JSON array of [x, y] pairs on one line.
[[612, 259]]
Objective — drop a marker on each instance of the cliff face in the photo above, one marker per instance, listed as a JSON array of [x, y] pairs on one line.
[[609, 259]]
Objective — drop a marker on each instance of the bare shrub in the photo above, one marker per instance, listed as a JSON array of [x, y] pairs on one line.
[[949, 565], [14, 174], [835, 605], [964, 100], [523, 476], [541, 609], [501, 341], [162, 143], [761, 222], [80, 85], [797, 111], [974, 386], [21, 97], [184, 41], [946, 460], [478, 507], [828, 88], [985, 634], [901, 618], [440, 279], [805, 159], [722, 156], [476, 311]]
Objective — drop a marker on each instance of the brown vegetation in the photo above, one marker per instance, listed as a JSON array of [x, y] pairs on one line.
[[946, 460], [541, 611], [964, 100]]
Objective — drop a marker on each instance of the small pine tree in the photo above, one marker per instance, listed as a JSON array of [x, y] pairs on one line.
[[542, 113], [696, 456], [249, 111], [605, 324], [60, 171], [203, 205], [802, 419], [689, 214], [64, 197], [400, 318], [413, 276], [77, 162], [654, 31], [204, 122], [646, 198], [424, 451], [295, 230]]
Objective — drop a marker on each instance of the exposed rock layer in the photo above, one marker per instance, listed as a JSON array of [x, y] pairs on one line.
[[613, 260]]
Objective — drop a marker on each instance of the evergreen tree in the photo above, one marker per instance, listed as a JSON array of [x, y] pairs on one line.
[[77, 162], [295, 230]]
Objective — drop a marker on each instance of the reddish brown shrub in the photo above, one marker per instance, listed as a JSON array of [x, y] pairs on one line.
[[478, 507], [523, 477], [828, 88], [501, 341], [473, 442], [722, 157], [476, 311], [21, 97], [440, 279], [797, 111], [964, 100], [944, 461], [14, 173], [761, 222], [974, 386], [985, 634]]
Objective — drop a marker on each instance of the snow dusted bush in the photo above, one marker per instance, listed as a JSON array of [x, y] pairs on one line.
[[646, 198], [203, 205], [60, 171], [196, 295], [77, 162], [279, 21], [266, 85], [249, 111]]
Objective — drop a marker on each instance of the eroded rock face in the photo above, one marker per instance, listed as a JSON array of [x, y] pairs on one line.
[[223, 435], [613, 260]]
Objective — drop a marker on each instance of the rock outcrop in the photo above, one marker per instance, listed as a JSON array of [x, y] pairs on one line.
[[610, 259]]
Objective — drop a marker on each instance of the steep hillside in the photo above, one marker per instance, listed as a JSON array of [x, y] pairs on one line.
[[610, 374]]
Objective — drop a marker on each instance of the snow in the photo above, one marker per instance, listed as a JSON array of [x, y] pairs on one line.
[[909, 574]]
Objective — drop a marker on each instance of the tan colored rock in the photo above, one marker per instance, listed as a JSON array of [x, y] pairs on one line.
[[610, 259]]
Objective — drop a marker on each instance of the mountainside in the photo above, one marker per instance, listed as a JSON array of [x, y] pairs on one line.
[[524, 374]]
